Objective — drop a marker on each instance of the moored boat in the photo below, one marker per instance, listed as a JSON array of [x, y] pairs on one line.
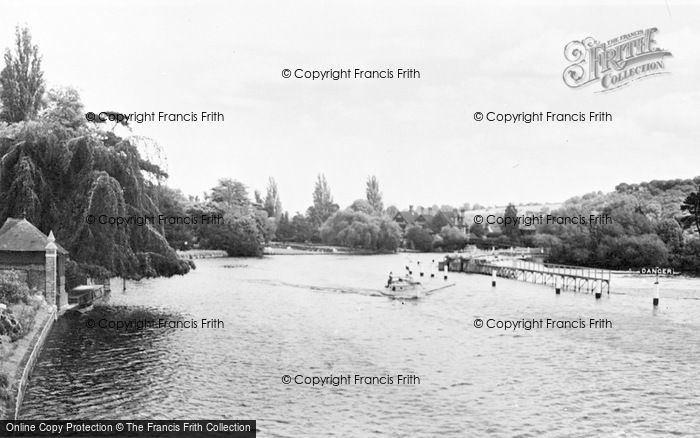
[[82, 298]]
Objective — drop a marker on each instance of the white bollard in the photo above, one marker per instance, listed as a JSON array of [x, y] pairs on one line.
[[493, 278], [444, 270]]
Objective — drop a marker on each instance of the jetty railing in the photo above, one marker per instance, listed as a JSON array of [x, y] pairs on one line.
[[566, 277]]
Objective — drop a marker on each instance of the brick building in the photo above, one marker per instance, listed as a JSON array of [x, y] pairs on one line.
[[40, 261]]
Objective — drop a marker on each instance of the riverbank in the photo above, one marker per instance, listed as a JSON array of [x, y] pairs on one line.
[[194, 254], [284, 248], [16, 357]]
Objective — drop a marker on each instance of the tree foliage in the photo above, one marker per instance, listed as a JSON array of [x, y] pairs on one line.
[[453, 238], [244, 228], [356, 229], [272, 203], [691, 204], [323, 206], [63, 175], [419, 238], [645, 230], [511, 227], [22, 80], [374, 196]]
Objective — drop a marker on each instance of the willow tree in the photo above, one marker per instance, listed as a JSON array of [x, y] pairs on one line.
[[64, 175], [65, 179]]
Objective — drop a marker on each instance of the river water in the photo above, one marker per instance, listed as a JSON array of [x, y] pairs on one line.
[[321, 315]]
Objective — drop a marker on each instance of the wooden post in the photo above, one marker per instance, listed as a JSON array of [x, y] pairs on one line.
[[655, 301]]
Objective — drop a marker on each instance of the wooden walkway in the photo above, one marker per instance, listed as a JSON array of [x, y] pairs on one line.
[[574, 278]]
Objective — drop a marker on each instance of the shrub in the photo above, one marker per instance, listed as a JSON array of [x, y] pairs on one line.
[[10, 326], [21, 320], [4, 387], [12, 289]]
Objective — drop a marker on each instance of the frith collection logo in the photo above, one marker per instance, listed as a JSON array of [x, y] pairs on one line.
[[616, 62]]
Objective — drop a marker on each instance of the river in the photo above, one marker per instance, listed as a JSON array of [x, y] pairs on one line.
[[321, 315]]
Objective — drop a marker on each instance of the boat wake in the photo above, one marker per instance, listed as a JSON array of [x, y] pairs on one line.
[[323, 289]]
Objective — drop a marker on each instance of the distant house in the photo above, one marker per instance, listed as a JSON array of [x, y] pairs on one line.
[[405, 218], [442, 218], [39, 260], [424, 218]]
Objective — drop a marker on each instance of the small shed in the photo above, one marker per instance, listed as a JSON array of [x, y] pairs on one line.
[[38, 258]]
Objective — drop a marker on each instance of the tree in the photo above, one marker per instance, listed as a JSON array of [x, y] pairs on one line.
[[244, 229], [64, 108], [692, 206], [374, 196], [173, 204], [273, 204], [65, 180], [21, 81], [391, 211], [671, 233], [511, 227], [452, 238], [284, 228], [65, 176], [323, 206], [303, 229], [633, 252], [477, 230], [356, 229], [438, 222], [362, 206], [419, 238], [230, 196], [239, 236]]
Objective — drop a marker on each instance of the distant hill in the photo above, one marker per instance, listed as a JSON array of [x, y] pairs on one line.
[[656, 199]]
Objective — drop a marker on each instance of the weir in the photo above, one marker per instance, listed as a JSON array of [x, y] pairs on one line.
[[566, 277]]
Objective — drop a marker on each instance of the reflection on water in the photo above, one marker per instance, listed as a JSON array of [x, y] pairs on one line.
[[322, 316]]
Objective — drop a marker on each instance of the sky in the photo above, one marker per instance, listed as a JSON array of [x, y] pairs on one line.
[[418, 136]]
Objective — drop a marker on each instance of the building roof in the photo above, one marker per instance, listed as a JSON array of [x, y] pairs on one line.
[[21, 235], [408, 216]]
